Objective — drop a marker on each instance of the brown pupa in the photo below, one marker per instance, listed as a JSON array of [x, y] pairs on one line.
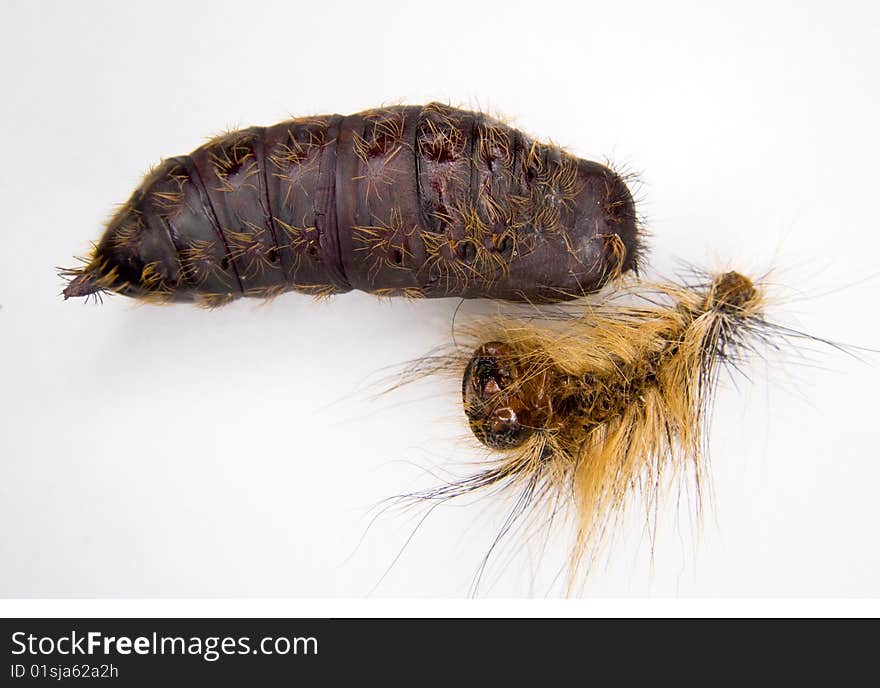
[[421, 201]]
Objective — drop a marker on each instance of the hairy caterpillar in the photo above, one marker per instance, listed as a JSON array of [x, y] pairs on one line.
[[581, 409], [419, 201]]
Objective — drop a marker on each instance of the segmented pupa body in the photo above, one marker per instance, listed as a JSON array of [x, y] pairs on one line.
[[425, 201]]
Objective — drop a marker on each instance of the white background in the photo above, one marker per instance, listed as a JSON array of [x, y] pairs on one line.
[[182, 453]]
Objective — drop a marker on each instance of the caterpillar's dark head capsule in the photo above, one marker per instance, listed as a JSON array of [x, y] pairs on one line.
[[503, 405]]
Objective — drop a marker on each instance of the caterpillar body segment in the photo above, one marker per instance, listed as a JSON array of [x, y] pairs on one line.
[[422, 201]]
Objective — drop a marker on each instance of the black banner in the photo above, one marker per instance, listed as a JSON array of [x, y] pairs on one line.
[[241, 652]]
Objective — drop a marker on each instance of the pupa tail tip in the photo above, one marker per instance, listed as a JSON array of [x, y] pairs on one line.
[[82, 284]]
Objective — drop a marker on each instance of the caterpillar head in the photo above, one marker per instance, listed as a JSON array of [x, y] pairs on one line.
[[504, 403]]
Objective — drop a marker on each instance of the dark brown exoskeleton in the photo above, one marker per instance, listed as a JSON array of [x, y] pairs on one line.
[[420, 201]]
